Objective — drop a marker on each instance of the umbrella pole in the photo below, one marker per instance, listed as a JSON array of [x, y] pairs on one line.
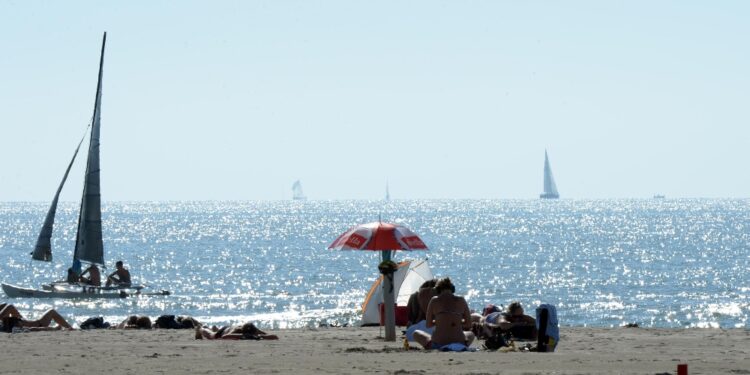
[[389, 301]]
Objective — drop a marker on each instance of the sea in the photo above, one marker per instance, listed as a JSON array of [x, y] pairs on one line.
[[673, 263]]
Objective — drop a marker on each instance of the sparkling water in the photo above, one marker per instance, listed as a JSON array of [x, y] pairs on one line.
[[658, 263]]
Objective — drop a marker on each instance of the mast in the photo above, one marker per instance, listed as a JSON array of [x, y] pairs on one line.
[[89, 246]]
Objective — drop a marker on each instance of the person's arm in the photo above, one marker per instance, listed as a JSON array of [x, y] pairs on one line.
[[467, 316], [231, 336], [412, 307], [429, 315]]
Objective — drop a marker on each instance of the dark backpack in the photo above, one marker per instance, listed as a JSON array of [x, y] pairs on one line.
[[94, 323], [167, 322]]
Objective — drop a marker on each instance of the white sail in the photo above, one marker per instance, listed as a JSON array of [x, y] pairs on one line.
[[550, 189], [89, 246], [297, 193], [43, 249], [387, 193]]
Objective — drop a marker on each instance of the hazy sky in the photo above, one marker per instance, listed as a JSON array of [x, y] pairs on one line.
[[236, 100]]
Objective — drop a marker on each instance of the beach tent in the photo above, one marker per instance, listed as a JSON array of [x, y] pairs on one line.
[[406, 280]]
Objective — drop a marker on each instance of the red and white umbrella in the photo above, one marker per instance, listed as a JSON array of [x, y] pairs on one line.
[[378, 236], [385, 237]]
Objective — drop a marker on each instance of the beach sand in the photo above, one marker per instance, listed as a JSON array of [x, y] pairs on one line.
[[362, 350]]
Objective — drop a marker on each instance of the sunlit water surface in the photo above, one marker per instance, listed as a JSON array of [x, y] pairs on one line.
[[660, 263]]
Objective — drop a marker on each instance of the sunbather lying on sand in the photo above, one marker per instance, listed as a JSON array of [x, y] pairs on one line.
[[12, 318], [450, 316], [247, 331], [135, 322], [176, 322], [514, 321]]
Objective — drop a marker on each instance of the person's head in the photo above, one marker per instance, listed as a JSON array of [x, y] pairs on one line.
[[489, 309], [132, 320], [70, 271], [515, 309], [143, 322], [428, 284], [118, 264], [444, 284], [187, 322], [249, 329]]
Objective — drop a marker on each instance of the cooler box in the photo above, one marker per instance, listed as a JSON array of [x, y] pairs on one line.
[[402, 315]]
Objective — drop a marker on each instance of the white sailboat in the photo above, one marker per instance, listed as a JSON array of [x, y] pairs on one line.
[[387, 193], [297, 193], [89, 247], [550, 189]]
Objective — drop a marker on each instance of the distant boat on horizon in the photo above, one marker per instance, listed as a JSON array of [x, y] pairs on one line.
[[659, 196], [297, 193], [550, 189], [387, 193]]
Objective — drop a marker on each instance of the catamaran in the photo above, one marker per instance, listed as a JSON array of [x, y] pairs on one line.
[[297, 193], [89, 247], [550, 189]]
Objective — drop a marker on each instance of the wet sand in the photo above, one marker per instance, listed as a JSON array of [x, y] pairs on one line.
[[362, 350]]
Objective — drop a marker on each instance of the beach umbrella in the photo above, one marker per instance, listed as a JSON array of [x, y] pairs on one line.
[[383, 237]]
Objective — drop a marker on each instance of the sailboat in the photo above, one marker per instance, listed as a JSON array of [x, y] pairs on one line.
[[89, 247], [297, 193], [550, 189], [387, 193]]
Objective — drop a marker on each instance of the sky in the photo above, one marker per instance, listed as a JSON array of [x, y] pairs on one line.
[[235, 100]]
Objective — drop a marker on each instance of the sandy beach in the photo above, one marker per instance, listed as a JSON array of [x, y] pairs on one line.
[[361, 350]]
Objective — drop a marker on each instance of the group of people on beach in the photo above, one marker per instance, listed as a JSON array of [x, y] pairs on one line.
[[438, 318], [11, 318]]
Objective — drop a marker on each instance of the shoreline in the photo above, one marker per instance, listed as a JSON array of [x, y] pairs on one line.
[[362, 350]]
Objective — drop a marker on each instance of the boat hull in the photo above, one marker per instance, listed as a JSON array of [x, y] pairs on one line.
[[549, 196], [13, 291]]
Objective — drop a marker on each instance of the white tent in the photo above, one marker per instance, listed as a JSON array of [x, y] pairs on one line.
[[406, 280]]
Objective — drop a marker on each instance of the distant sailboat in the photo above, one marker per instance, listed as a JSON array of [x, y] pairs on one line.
[[387, 193], [550, 189], [297, 193]]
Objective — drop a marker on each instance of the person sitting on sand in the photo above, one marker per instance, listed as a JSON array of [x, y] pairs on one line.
[[12, 318], [135, 322], [95, 277], [121, 276], [418, 301], [247, 331], [514, 321], [450, 316]]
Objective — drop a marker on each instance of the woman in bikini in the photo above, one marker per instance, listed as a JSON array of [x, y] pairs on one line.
[[12, 318], [247, 331], [450, 316]]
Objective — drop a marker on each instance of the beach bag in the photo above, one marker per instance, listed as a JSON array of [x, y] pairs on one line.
[[167, 322], [94, 323], [496, 341], [548, 328]]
